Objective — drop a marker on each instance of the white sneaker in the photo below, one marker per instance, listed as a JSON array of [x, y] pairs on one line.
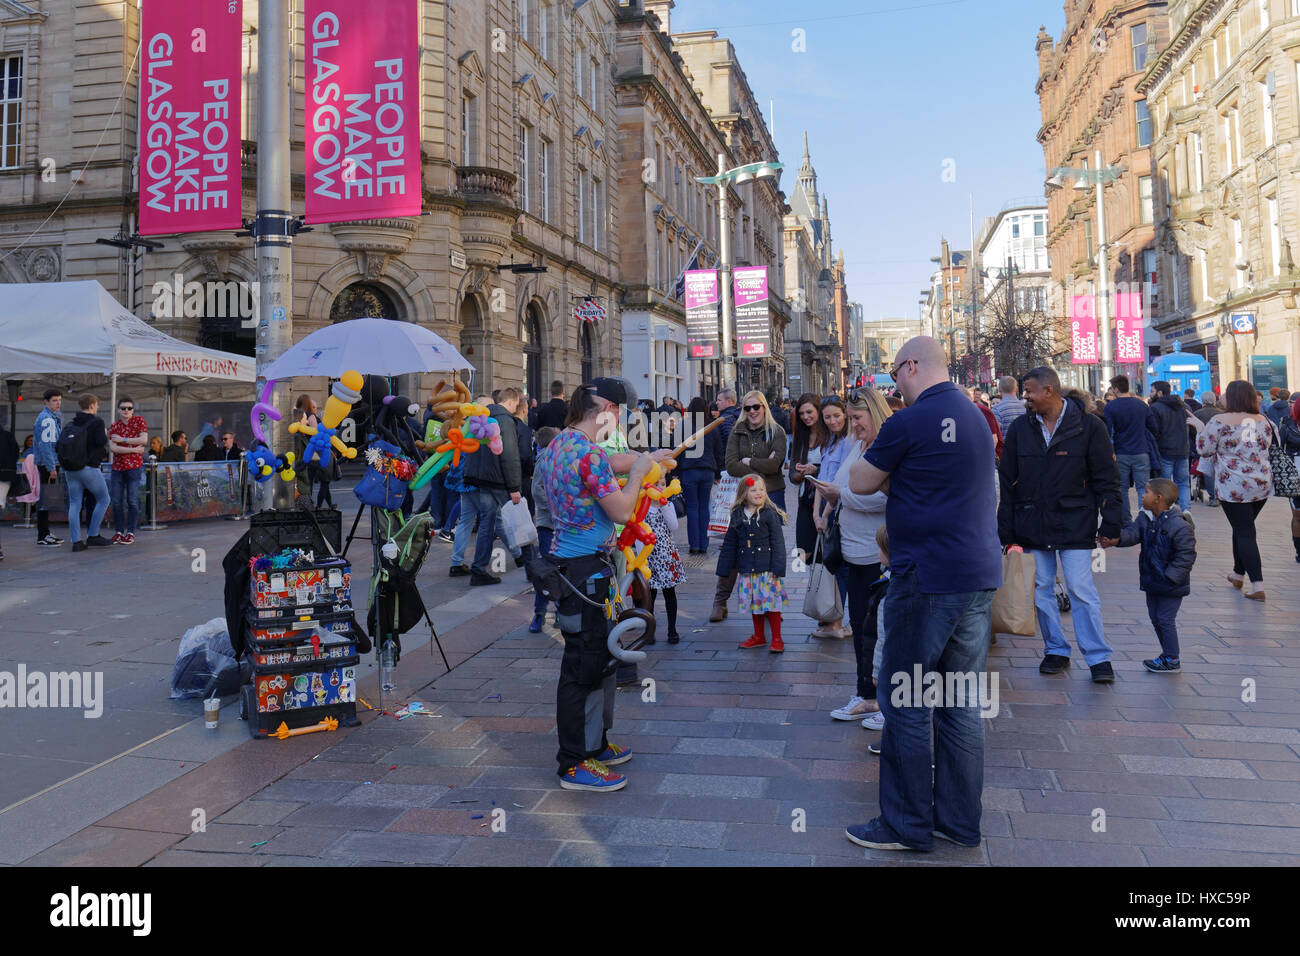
[[846, 712], [875, 722]]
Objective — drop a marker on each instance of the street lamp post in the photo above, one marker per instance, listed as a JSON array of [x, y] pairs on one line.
[[1098, 177], [724, 179]]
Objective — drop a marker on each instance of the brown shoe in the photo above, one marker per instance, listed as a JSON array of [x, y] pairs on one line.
[[719, 613], [1255, 590]]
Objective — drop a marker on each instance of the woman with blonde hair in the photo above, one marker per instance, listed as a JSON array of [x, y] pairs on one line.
[[757, 444], [859, 517]]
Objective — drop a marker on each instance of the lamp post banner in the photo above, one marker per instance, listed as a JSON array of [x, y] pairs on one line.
[[190, 116], [363, 110], [1083, 330], [1129, 347], [702, 295], [753, 321]]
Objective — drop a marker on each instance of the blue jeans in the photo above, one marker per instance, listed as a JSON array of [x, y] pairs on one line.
[[483, 505], [86, 481], [122, 487], [1163, 611], [435, 503], [941, 634], [697, 486], [1085, 605], [1135, 468], [1177, 470], [453, 513]]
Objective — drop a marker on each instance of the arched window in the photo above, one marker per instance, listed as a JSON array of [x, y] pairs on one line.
[[588, 352], [363, 300], [472, 338], [532, 336]]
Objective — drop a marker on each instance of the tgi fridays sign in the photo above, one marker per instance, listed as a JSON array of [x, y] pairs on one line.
[[190, 116], [363, 110], [588, 311]]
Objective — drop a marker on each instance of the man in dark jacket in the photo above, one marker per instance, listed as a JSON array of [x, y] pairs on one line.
[[177, 449], [496, 479], [728, 408], [1280, 407], [87, 479], [556, 410], [1058, 471], [1129, 420], [1171, 422]]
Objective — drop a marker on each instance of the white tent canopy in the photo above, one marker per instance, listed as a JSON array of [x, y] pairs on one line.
[[57, 328]]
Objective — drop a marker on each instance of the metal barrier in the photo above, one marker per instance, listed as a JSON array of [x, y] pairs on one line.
[[172, 491]]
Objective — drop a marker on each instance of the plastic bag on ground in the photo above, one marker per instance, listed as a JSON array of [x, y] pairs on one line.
[[205, 663]]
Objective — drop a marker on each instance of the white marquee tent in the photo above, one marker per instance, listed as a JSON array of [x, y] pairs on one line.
[[55, 330]]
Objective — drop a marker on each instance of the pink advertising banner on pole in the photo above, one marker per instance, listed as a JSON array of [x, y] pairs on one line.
[[1129, 349], [753, 317], [363, 109], [1083, 330], [190, 116]]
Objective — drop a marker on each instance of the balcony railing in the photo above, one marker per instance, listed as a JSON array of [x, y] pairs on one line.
[[486, 184]]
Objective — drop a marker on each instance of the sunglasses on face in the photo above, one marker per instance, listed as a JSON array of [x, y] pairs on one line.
[[753, 408], [126, 408], [893, 372]]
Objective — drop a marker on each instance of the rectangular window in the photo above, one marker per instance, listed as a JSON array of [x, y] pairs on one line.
[[468, 129], [1144, 198], [525, 24], [1263, 14], [582, 206], [1238, 255], [1274, 236], [1040, 225], [596, 216], [1015, 229], [524, 192], [1142, 114], [1235, 116], [1267, 101], [1173, 281], [11, 110], [593, 85], [1166, 193], [1138, 37], [1214, 58], [1087, 239], [544, 181], [1198, 161], [578, 69], [544, 31]]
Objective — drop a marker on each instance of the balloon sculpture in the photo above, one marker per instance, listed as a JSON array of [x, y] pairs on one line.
[[263, 463], [346, 392], [465, 426]]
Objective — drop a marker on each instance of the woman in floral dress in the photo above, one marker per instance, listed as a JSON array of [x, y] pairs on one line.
[[1238, 440]]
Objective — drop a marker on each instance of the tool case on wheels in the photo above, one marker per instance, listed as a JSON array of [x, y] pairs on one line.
[[299, 626]]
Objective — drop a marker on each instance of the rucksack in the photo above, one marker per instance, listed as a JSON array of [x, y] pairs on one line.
[[72, 447]]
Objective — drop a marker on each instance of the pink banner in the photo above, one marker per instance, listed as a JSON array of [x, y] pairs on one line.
[[363, 109], [1129, 348], [1083, 330], [189, 116]]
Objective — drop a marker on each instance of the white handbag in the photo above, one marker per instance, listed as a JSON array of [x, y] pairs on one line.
[[518, 524], [822, 602]]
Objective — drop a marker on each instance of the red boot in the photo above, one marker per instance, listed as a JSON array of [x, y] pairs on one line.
[[774, 620], [756, 639]]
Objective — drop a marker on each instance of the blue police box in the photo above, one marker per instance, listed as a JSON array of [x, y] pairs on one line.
[[1183, 370]]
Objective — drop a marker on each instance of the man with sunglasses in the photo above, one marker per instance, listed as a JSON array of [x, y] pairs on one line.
[[128, 437], [935, 459]]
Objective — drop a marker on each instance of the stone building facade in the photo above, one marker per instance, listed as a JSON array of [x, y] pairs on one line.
[[667, 220], [1226, 95], [813, 350], [1087, 90], [520, 165]]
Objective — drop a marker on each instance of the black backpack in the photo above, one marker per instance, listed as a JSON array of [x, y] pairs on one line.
[[72, 448]]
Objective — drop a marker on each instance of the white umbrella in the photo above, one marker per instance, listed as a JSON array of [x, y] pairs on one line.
[[371, 346]]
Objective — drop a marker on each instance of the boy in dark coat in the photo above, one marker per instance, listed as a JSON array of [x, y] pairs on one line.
[[1165, 566]]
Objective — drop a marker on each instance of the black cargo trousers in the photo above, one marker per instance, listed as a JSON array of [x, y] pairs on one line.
[[584, 698]]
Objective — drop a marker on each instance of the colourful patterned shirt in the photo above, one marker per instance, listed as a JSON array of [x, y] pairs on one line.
[[133, 427], [576, 473]]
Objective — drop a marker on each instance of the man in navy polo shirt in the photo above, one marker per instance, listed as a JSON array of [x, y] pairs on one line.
[[935, 459]]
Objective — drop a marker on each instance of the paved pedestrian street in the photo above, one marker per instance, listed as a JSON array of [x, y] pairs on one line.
[[737, 762]]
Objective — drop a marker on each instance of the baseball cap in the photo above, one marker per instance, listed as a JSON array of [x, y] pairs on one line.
[[610, 389]]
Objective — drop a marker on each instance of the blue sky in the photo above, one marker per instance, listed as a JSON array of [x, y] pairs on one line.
[[888, 91]]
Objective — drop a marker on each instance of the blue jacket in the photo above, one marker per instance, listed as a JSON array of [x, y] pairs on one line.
[[1168, 552], [1127, 419], [47, 429]]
